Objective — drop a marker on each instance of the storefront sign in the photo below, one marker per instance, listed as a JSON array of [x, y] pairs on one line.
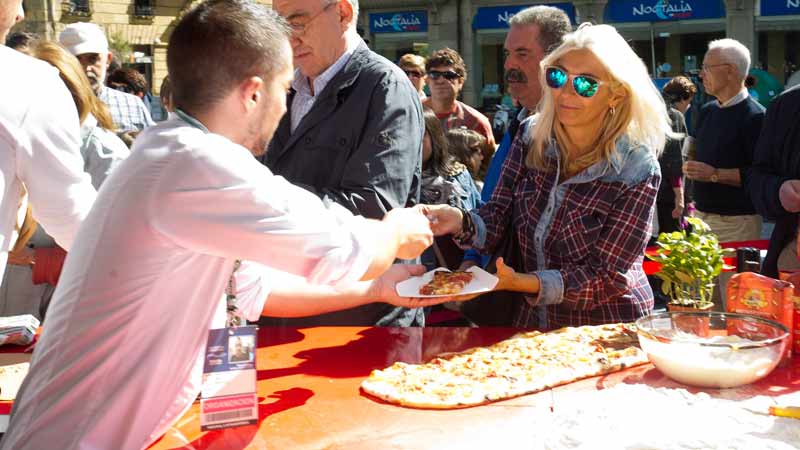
[[494, 17], [780, 7], [662, 10], [399, 22]]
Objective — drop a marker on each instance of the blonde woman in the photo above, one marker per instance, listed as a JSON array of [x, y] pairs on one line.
[[578, 188], [35, 262]]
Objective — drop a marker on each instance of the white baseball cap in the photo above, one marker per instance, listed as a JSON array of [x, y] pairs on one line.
[[83, 37]]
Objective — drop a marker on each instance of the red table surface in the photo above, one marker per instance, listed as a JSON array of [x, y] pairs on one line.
[[308, 388]]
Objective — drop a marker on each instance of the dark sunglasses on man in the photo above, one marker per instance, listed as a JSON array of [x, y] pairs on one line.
[[448, 75]]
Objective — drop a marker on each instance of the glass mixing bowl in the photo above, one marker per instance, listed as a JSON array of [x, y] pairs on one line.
[[712, 349]]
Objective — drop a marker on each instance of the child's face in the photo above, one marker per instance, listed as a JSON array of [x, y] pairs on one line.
[[475, 160]]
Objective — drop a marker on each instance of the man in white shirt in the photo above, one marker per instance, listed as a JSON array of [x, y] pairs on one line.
[[120, 358], [88, 43], [39, 145]]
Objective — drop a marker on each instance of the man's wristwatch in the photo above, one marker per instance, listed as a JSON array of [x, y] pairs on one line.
[[715, 177]]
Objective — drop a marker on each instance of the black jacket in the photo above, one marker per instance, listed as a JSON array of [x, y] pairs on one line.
[[360, 146], [361, 143], [776, 159], [671, 160]]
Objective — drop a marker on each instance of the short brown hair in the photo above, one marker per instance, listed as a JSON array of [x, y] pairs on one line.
[[218, 45], [131, 78], [447, 57], [678, 88]]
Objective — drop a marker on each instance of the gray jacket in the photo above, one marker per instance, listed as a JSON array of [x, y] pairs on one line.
[[360, 145]]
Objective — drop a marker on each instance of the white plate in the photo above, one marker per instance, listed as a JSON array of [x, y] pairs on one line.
[[483, 281]]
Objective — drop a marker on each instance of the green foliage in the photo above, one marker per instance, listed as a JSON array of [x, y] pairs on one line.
[[119, 46], [690, 263]]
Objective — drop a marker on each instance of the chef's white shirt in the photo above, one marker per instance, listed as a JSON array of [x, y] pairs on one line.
[[119, 358], [39, 146]]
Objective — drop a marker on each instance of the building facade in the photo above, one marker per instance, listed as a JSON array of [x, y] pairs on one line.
[[142, 27], [671, 36]]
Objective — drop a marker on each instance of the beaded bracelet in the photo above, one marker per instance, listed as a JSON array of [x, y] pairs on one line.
[[464, 238]]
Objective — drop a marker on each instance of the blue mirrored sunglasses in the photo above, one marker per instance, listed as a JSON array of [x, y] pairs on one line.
[[584, 85]]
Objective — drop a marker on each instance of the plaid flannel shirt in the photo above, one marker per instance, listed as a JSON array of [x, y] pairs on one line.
[[127, 111], [584, 238]]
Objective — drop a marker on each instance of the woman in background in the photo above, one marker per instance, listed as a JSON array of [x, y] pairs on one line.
[[469, 148], [35, 263], [444, 181]]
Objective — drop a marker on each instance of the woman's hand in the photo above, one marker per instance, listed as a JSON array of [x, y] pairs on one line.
[[444, 218], [510, 280], [506, 276]]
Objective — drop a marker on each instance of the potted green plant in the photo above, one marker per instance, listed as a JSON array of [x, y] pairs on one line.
[[690, 264]]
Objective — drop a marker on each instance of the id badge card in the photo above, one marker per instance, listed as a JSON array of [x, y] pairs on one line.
[[228, 398]]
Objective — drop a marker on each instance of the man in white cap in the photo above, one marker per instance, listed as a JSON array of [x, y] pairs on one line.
[[88, 43], [39, 145]]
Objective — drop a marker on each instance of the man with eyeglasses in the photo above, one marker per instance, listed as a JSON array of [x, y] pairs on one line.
[[446, 76], [722, 144], [352, 134], [88, 43]]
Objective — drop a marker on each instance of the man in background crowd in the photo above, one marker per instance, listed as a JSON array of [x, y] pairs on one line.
[[446, 74], [534, 32], [353, 131], [774, 180], [89, 44], [724, 141]]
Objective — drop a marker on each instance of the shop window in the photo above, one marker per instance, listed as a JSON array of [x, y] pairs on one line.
[[143, 8]]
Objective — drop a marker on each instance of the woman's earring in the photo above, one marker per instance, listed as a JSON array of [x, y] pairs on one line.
[[611, 110]]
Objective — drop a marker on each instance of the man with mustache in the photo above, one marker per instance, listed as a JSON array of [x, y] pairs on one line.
[[89, 44], [533, 33]]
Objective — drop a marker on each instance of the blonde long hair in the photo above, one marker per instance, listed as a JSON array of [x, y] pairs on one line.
[[73, 75], [641, 114]]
